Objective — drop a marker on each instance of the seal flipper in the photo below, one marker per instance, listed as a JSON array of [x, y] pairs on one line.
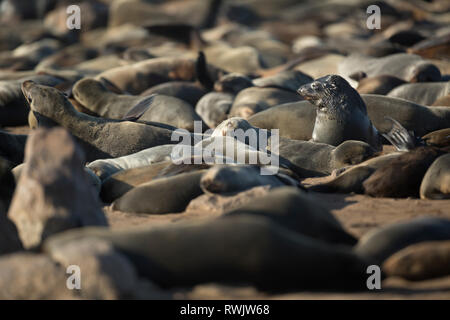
[[400, 138], [201, 69], [139, 109]]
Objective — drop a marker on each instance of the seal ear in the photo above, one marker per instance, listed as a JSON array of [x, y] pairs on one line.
[[357, 76], [139, 109]]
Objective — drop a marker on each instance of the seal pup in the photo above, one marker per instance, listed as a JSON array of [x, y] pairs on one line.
[[401, 177], [121, 182], [100, 138], [436, 182], [341, 113], [218, 251], [162, 195], [104, 168], [237, 178], [95, 97], [380, 243]]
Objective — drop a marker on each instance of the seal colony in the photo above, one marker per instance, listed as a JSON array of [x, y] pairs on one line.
[[169, 147]]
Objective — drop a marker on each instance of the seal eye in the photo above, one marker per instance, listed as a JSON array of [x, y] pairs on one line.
[[315, 85]]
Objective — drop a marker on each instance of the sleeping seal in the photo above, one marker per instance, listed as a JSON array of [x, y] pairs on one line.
[[408, 67], [341, 113], [421, 93], [95, 97], [233, 249], [381, 243], [436, 182]]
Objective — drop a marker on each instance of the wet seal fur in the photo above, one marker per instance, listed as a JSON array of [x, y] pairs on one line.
[[341, 113]]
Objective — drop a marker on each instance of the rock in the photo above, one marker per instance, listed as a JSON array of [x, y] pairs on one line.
[[32, 276], [53, 193], [105, 273], [420, 261]]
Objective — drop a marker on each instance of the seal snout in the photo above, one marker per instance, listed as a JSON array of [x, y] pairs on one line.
[[308, 91]]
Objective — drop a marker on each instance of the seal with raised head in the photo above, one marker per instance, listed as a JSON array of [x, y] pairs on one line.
[[99, 138], [341, 113], [296, 120]]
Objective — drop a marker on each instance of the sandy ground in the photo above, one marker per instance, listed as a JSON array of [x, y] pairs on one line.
[[357, 213]]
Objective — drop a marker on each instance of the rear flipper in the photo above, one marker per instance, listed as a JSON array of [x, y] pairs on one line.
[[400, 138]]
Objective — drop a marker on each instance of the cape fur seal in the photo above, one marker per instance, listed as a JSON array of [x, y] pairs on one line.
[[402, 176], [218, 251], [104, 168], [158, 196], [121, 182], [100, 138], [12, 146], [254, 99], [94, 96], [412, 116], [421, 93], [13, 106], [316, 159], [381, 243], [436, 182], [421, 261], [408, 67], [213, 107], [187, 91], [341, 113], [140, 76], [382, 84], [236, 178], [296, 211], [351, 180]]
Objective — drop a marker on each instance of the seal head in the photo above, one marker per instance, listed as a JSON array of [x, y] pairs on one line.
[[341, 112]]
